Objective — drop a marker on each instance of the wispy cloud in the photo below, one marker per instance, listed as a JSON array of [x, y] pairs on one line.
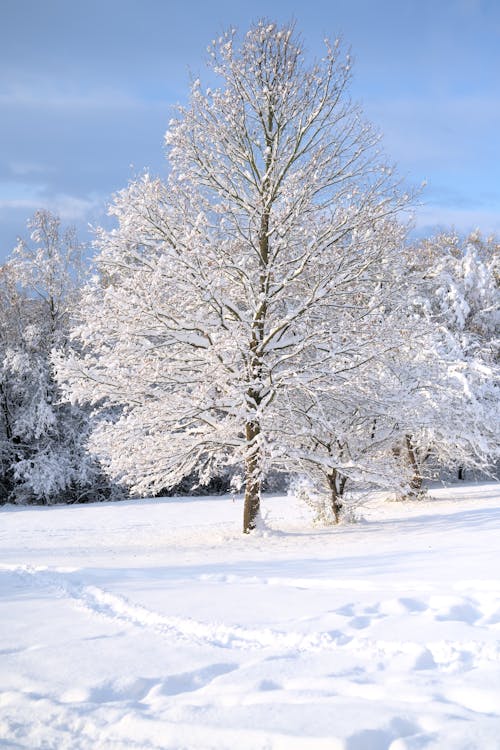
[[428, 219], [42, 93], [439, 131], [32, 197], [28, 169]]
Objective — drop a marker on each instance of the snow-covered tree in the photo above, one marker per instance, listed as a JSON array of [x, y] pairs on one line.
[[223, 291], [450, 413], [427, 404], [340, 431], [11, 309], [42, 441]]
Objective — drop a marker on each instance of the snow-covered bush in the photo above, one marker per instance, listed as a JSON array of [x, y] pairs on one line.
[[319, 500]]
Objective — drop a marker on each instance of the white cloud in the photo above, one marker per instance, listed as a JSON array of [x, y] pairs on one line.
[[24, 168], [437, 131], [463, 219], [68, 207], [43, 94]]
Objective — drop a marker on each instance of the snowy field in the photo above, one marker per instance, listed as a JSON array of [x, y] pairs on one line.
[[156, 624]]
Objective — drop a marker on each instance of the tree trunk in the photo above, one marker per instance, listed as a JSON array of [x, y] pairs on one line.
[[336, 492], [416, 484], [7, 477], [252, 477], [417, 479]]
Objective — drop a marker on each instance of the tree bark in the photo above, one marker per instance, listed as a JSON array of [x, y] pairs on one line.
[[417, 479], [7, 476], [336, 492], [252, 477]]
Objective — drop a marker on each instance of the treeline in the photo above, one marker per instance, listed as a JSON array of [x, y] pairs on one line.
[[452, 426]]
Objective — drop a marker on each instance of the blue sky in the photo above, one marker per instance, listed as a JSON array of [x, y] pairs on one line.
[[86, 90]]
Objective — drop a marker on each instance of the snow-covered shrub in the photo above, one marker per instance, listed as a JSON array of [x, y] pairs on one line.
[[319, 501]]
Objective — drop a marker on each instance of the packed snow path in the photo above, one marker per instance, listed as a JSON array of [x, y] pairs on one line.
[[156, 625]]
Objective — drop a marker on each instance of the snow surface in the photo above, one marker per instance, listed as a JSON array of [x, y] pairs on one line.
[[156, 624]]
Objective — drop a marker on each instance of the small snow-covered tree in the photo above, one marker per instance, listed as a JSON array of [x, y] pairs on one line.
[[426, 399], [222, 291], [43, 453], [340, 431]]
